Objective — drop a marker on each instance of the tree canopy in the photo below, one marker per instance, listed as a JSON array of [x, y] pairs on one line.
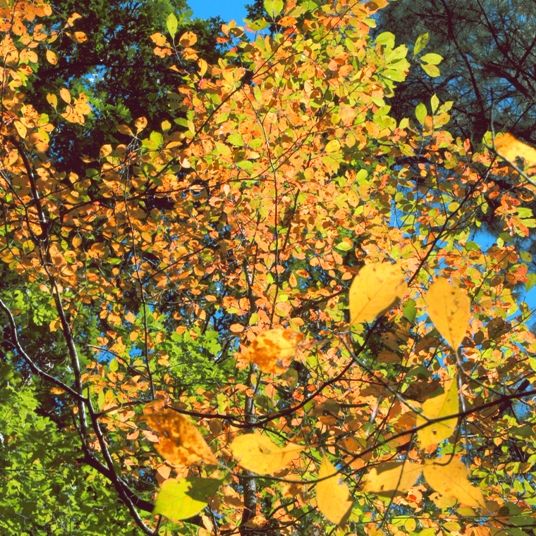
[[265, 309]]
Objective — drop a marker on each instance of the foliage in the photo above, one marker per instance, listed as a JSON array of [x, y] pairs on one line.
[[269, 313], [45, 486], [104, 49], [487, 67]]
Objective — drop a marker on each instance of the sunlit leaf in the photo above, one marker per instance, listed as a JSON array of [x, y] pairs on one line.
[[431, 70], [449, 307], [420, 113], [332, 495], [442, 405], [420, 43], [273, 7], [392, 478], [51, 57], [180, 442], [172, 24], [432, 58], [450, 478], [256, 452], [273, 349], [373, 290], [183, 498], [511, 148]]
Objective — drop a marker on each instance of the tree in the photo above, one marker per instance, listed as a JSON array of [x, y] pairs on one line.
[[104, 49], [489, 53], [274, 313]]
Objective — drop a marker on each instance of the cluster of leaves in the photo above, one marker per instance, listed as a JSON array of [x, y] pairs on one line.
[[271, 275]]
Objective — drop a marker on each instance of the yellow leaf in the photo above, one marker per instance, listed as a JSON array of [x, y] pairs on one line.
[[140, 124], [21, 129], [434, 408], [273, 350], [392, 478], [51, 57], [65, 95], [452, 480], [333, 146], [449, 307], [179, 441], [258, 453], [52, 100], [511, 148], [373, 290], [332, 495], [80, 37], [188, 39]]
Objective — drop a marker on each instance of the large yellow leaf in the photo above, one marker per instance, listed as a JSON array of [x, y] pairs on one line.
[[452, 480], [392, 478], [258, 453], [511, 148], [442, 405], [373, 290], [180, 442], [183, 498], [449, 308], [332, 495]]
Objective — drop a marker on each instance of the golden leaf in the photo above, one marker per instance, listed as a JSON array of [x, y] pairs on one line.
[[373, 290], [449, 307], [451, 479], [392, 478], [509, 147], [258, 453], [65, 94], [51, 57], [179, 441], [332, 495], [434, 408], [273, 350]]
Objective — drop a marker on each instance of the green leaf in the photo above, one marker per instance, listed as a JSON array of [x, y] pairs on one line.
[[172, 24], [410, 310], [235, 139], [387, 39], [183, 498], [432, 58], [430, 70], [273, 7], [154, 142], [421, 43], [420, 113], [434, 103]]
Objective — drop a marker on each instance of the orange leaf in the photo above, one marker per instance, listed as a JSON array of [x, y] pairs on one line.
[[273, 350], [180, 442]]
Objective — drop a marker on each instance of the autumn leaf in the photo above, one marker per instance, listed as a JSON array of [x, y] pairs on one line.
[[183, 498], [256, 452], [51, 57], [450, 478], [180, 442], [511, 148], [273, 349], [273, 7], [373, 290], [392, 478], [442, 405], [449, 307], [332, 495]]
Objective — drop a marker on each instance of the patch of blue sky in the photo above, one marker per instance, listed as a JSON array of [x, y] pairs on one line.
[[227, 9]]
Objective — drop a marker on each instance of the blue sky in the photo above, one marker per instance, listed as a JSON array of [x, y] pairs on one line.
[[226, 9]]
